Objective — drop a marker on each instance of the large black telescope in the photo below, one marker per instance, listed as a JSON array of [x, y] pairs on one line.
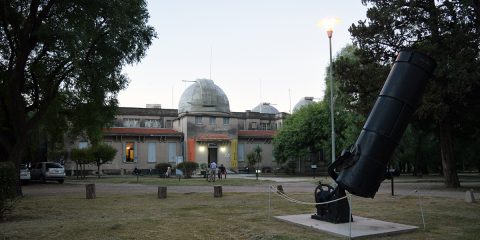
[[361, 168]]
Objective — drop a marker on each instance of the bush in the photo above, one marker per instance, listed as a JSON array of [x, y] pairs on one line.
[[187, 168], [162, 168], [8, 190]]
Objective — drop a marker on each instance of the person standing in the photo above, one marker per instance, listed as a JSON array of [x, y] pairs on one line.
[[223, 171], [213, 169], [169, 171]]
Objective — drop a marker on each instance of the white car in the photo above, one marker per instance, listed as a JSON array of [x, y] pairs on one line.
[[48, 171], [24, 174]]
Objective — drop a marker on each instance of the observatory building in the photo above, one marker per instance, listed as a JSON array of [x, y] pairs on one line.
[[202, 130]]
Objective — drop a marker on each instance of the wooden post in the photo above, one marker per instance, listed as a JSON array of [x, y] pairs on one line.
[[90, 190], [217, 191], [280, 188], [162, 192]]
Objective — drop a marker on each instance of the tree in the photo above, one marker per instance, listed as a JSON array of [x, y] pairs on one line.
[[64, 59], [162, 168], [448, 31], [308, 129], [7, 187], [187, 168], [101, 154], [81, 157], [358, 82]]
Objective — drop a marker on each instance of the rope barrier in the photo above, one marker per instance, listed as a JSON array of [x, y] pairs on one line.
[[421, 209], [415, 191], [290, 199]]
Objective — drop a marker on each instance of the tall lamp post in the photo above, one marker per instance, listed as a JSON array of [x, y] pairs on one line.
[[328, 25]]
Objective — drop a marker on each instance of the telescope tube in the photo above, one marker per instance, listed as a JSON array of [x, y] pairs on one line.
[[365, 167]]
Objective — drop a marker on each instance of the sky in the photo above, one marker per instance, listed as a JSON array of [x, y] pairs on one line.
[[254, 50]]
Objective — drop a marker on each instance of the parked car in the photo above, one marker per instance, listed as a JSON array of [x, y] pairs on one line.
[[24, 174], [48, 171]]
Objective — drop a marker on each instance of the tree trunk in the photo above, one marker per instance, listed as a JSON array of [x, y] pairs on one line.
[[16, 156], [16, 134], [448, 160]]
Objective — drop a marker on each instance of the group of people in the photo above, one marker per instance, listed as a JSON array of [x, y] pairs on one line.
[[214, 171]]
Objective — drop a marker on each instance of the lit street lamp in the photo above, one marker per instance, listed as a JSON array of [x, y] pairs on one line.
[[328, 25]]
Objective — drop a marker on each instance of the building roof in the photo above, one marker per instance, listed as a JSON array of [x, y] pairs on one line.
[[265, 107], [213, 137], [147, 111], [141, 132], [203, 96], [256, 133]]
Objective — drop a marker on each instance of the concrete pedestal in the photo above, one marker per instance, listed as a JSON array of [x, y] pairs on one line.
[[361, 227]]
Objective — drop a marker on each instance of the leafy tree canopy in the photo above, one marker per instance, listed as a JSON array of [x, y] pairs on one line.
[[448, 31], [102, 153], [63, 60]]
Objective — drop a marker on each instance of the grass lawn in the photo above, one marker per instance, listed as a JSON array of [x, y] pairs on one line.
[[234, 216]]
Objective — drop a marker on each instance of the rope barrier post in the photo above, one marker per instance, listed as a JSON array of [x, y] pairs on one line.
[[421, 210], [269, 201], [350, 215]]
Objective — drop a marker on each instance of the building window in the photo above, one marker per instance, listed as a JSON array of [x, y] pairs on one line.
[[264, 126], [168, 124], [152, 123], [172, 152], [82, 145], [253, 125], [129, 152], [198, 119], [241, 152], [131, 122], [151, 153], [226, 120], [213, 120]]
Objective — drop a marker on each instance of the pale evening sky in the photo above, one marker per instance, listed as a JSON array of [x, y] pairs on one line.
[[255, 50]]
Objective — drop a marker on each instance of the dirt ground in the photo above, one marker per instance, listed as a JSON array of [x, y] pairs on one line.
[[425, 187]]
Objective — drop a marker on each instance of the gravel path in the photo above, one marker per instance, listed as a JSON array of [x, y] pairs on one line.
[[290, 185]]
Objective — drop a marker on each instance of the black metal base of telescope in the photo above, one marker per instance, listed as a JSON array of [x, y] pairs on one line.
[[334, 212], [361, 168]]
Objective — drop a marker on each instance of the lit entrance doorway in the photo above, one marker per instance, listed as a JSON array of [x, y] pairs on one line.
[[212, 153]]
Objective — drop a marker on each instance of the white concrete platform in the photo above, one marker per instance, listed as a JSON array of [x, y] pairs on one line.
[[361, 227]]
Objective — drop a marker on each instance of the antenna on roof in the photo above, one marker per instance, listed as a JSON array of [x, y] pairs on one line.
[[261, 99], [211, 59], [290, 99]]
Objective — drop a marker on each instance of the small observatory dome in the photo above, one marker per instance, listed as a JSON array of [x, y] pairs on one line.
[[303, 102], [265, 108]]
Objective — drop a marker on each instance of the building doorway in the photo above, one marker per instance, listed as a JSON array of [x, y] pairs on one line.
[[212, 155]]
